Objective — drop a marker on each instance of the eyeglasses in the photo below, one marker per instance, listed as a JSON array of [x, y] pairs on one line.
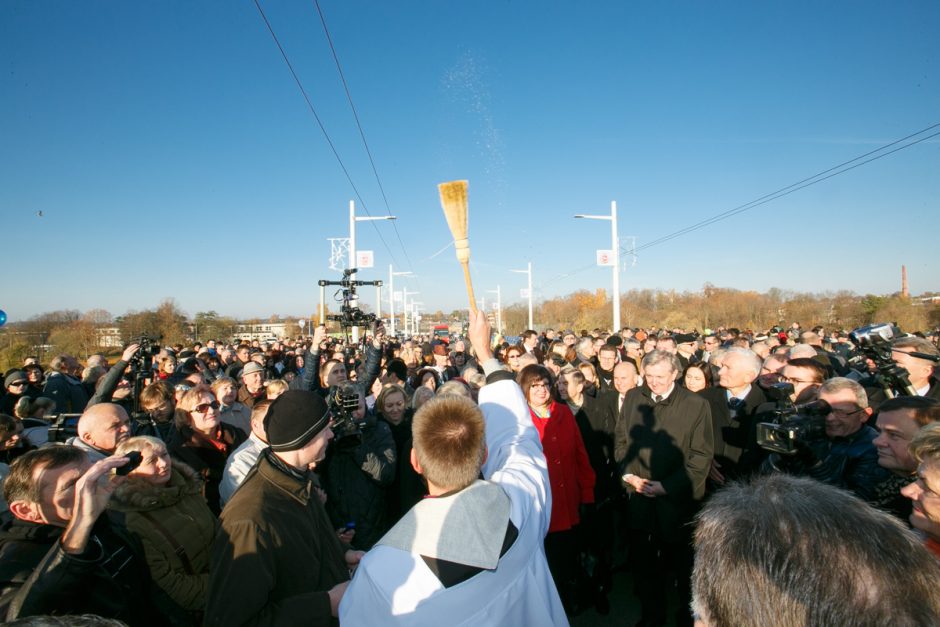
[[513, 356], [17, 384], [841, 413], [541, 385], [204, 407], [786, 379]]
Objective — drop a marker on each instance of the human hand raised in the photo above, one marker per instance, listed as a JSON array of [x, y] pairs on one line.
[[479, 332]]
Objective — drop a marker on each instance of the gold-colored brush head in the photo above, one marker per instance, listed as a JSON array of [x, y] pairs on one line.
[[454, 203]]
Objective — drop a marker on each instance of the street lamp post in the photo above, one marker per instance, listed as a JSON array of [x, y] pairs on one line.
[[499, 309], [528, 272], [404, 308], [391, 296], [615, 246], [416, 324], [353, 218]]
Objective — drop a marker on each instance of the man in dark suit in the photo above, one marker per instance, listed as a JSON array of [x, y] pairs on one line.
[[733, 406], [664, 448]]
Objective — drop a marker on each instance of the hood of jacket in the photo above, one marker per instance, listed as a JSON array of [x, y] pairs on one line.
[[137, 494]]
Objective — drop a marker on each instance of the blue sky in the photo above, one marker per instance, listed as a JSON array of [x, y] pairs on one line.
[[172, 155]]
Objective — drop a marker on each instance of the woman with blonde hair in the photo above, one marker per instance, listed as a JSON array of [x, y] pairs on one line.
[[163, 505], [203, 441]]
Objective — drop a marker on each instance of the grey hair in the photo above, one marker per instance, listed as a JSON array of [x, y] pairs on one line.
[[656, 357], [837, 384], [750, 357]]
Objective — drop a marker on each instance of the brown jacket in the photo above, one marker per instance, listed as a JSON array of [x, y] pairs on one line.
[[187, 524], [276, 555]]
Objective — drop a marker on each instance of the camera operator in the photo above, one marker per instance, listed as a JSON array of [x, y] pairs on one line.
[[920, 370], [159, 406], [845, 456], [60, 555], [113, 387], [359, 467]]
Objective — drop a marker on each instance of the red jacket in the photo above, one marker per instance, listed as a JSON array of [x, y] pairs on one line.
[[569, 471]]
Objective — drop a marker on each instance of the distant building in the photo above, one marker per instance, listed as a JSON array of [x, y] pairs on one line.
[[261, 331], [108, 337]]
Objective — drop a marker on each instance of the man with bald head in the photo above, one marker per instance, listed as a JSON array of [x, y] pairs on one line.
[[100, 429]]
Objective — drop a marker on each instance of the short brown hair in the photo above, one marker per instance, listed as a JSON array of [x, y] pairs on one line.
[[925, 446], [533, 373], [924, 409], [19, 485], [154, 394], [808, 363], [448, 441]]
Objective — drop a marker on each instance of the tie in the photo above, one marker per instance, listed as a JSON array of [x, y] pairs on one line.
[[735, 404], [658, 398]]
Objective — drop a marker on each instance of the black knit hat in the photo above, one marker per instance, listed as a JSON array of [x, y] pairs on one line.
[[294, 418]]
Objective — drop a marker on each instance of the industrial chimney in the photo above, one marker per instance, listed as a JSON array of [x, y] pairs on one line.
[[904, 291]]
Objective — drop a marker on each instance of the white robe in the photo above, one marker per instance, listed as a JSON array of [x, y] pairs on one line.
[[395, 587]]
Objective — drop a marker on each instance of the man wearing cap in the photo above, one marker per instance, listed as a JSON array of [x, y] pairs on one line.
[[15, 384], [276, 559], [442, 362], [252, 388]]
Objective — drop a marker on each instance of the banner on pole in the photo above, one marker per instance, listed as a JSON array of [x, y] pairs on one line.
[[364, 259], [606, 258]]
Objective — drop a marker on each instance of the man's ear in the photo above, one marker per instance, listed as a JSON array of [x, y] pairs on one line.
[[25, 510], [414, 462], [86, 438]]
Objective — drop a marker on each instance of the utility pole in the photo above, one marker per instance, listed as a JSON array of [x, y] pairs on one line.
[[499, 309], [391, 296]]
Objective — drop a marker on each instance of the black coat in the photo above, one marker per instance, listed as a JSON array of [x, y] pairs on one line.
[[597, 422], [670, 442], [735, 439], [110, 578]]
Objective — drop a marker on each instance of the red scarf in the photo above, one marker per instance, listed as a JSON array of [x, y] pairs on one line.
[[211, 441]]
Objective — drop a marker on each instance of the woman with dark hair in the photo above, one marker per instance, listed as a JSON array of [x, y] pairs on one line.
[[569, 474], [513, 353], [426, 377], [202, 440], [697, 377]]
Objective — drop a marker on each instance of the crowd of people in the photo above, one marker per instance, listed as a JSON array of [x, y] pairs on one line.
[[474, 481]]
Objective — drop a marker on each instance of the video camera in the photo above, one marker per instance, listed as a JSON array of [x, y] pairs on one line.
[[343, 401], [62, 427], [792, 427], [142, 361], [875, 342], [350, 315]]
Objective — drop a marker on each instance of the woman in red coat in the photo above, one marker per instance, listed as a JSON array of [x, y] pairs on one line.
[[569, 474]]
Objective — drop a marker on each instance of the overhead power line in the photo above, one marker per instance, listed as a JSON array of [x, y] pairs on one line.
[[829, 173], [323, 130], [362, 134]]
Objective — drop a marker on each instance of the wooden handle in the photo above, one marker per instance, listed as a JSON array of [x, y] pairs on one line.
[[466, 279]]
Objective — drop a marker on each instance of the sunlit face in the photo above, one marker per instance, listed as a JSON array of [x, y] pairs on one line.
[[607, 360], [226, 393], [711, 344], [252, 380], [925, 495], [735, 372], [108, 430], [570, 387], [428, 380], [155, 467], [919, 369], [57, 491], [846, 417], [169, 366], [624, 378], [540, 393], [335, 374], [897, 429], [659, 377], [694, 379], [205, 414], [394, 408], [512, 358], [34, 375]]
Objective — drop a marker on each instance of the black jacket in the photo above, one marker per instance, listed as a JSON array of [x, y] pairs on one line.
[[109, 579], [597, 422], [356, 475]]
